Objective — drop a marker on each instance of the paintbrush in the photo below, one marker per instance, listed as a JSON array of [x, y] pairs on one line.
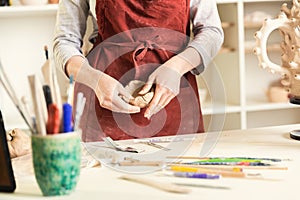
[[11, 92]]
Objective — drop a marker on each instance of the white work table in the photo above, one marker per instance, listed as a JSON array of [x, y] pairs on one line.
[[104, 183]]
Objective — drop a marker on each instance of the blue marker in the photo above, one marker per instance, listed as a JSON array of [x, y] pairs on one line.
[[67, 109], [67, 118], [196, 175]]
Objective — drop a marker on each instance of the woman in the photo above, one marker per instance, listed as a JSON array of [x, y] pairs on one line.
[[144, 40]]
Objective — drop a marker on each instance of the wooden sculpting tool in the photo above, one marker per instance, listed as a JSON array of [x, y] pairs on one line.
[[135, 162], [203, 186], [152, 144], [50, 79], [39, 103], [168, 187], [56, 95], [140, 163]]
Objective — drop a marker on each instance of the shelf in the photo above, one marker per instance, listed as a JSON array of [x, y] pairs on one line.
[[226, 1], [259, 104], [271, 106], [259, 1], [252, 106], [226, 50], [227, 24], [270, 48], [22, 11], [250, 25], [208, 109], [246, 1]]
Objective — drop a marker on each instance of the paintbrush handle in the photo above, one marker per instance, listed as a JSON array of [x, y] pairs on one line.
[[236, 168], [224, 173], [168, 187], [11, 93], [141, 163]]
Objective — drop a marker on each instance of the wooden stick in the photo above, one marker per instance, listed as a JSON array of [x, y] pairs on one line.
[[39, 104], [232, 168], [56, 94], [168, 187], [186, 157], [141, 163]]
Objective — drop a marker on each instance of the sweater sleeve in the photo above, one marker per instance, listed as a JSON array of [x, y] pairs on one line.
[[69, 30], [207, 30]]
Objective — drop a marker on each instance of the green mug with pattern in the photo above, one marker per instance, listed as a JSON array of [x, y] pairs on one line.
[[56, 160]]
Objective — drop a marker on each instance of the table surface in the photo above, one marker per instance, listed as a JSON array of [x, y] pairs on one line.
[[104, 182]]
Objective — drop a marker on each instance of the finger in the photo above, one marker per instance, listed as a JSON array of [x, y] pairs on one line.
[[152, 106], [146, 88], [156, 109], [162, 97], [119, 105], [163, 102], [124, 94]]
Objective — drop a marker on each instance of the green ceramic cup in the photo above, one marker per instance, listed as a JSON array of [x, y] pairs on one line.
[[56, 160]]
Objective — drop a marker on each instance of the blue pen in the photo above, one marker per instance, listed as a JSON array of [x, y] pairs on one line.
[[67, 118], [196, 175], [67, 109]]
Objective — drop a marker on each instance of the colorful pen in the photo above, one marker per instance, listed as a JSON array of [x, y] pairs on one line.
[[216, 160], [245, 163], [67, 118], [67, 109], [222, 158], [53, 122], [196, 175], [224, 173], [47, 94]]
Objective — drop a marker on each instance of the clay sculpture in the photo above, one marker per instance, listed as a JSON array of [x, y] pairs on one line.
[[287, 22], [139, 100]]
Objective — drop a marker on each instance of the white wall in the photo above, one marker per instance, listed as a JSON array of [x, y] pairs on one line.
[[23, 37]]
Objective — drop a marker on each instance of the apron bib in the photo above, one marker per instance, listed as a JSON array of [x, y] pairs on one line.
[[135, 37]]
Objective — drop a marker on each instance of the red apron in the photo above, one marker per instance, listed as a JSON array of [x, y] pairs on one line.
[[135, 37]]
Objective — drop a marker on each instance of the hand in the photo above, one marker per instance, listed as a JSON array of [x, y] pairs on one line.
[[167, 79], [110, 93], [167, 82], [113, 96]]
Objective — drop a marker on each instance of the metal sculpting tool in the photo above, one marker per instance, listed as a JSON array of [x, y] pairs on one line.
[[117, 147], [149, 143]]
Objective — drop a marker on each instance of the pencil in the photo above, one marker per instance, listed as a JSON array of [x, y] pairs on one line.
[[224, 173]]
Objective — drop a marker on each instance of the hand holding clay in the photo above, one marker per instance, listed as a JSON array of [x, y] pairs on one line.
[[139, 100]]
